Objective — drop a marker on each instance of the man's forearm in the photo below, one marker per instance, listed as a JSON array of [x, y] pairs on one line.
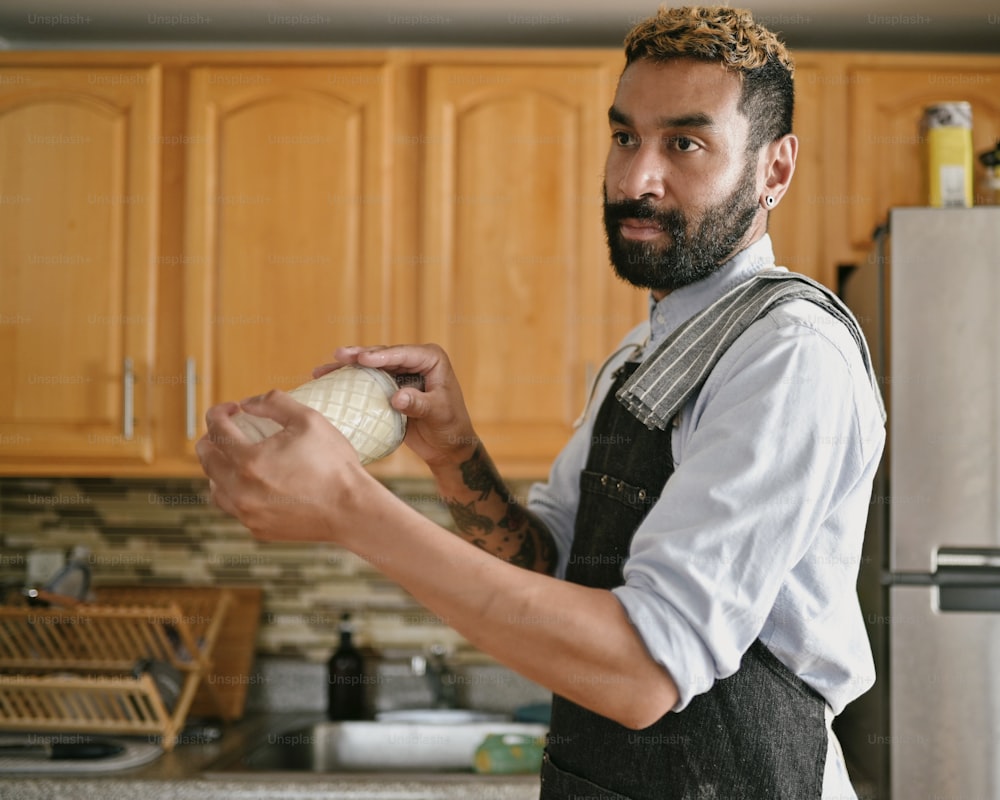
[[490, 517], [574, 640], [309, 486]]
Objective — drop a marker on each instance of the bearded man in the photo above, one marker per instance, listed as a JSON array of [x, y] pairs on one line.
[[689, 568]]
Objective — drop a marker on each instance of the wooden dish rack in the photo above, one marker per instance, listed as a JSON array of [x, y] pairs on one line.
[[71, 669]]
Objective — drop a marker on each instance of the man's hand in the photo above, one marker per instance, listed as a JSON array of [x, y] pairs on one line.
[[440, 432], [439, 429], [282, 488]]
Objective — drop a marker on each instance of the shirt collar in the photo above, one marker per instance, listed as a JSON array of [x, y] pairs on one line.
[[681, 304]]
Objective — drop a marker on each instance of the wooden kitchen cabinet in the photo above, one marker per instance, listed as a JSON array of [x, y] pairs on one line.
[[289, 223], [517, 286], [221, 221], [887, 100], [79, 160]]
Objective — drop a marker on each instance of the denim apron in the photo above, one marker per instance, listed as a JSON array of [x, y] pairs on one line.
[[759, 734]]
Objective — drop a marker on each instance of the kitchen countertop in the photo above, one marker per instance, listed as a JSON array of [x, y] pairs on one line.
[[332, 787], [186, 773], [183, 774]]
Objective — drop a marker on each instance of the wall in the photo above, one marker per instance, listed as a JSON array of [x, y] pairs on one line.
[[167, 532]]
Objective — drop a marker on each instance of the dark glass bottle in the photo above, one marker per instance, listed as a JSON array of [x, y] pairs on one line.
[[346, 689]]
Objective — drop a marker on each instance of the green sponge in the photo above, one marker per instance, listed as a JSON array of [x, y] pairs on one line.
[[509, 754]]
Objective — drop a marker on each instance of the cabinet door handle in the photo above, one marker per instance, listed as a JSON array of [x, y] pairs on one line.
[[190, 402], [128, 400]]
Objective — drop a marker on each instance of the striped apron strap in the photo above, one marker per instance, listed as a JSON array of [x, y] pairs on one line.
[[681, 364]]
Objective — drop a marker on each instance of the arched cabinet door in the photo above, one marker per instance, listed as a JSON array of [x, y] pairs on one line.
[[79, 182], [886, 159], [288, 224], [517, 286]]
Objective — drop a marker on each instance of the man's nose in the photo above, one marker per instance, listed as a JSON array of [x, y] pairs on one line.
[[645, 175]]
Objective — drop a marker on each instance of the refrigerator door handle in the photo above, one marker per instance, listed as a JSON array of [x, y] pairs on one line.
[[968, 579], [968, 557]]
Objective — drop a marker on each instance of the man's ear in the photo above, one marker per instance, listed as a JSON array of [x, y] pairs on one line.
[[777, 162]]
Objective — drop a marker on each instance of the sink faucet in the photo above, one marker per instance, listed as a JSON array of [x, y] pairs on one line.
[[440, 676]]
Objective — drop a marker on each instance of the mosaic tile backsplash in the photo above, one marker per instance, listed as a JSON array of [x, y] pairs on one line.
[[166, 531]]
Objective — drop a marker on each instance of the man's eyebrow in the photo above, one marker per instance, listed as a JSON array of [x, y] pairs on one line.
[[616, 115], [695, 120]]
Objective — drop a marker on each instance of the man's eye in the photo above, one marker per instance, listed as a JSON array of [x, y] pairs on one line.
[[623, 139], [684, 144]]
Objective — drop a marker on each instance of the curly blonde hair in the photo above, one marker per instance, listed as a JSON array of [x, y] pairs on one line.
[[731, 37]]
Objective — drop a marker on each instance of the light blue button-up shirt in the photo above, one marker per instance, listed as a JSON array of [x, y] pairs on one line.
[[758, 532]]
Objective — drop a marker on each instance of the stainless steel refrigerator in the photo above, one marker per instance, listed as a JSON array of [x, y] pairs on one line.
[[928, 299]]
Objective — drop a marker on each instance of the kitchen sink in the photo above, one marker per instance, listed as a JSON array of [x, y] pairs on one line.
[[412, 742]]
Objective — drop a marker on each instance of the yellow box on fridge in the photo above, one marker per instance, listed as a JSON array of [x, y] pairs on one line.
[[946, 129]]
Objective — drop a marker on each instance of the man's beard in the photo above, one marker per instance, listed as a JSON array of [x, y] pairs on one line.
[[688, 255]]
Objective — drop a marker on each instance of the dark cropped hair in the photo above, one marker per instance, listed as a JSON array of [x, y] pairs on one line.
[[730, 37]]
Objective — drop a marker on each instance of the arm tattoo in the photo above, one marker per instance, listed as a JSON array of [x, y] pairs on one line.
[[504, 527], [467, 519], [478, 473]]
